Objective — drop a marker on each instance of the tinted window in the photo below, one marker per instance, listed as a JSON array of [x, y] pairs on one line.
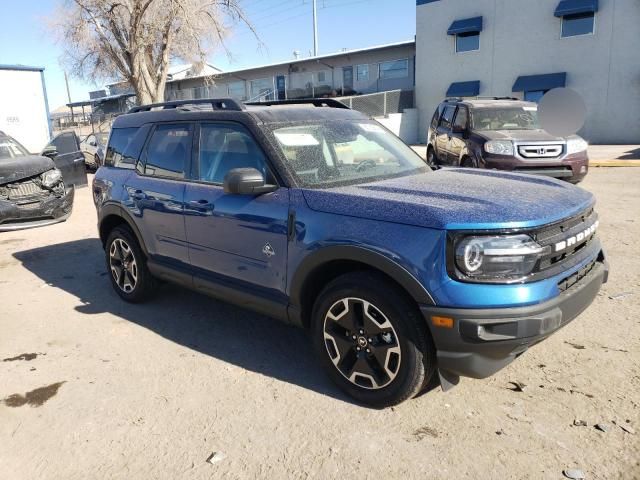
[[123, 149], [461, 118], [65, 143], [447, 116], [362, 72], [394, 69], [466, 42], [224, 147], [581, 24], [168, 151]]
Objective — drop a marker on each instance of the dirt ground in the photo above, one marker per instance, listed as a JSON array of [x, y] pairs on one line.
[[96, 388]]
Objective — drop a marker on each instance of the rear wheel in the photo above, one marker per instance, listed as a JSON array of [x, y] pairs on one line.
[[371, 339], [127, 266]]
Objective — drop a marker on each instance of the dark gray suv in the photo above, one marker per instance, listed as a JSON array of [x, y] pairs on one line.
[[502, 134]]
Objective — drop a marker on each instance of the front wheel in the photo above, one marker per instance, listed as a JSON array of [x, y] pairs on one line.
[[371, 339], [432, 158]]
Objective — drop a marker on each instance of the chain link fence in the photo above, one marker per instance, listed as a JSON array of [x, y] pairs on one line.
[[381, 104]]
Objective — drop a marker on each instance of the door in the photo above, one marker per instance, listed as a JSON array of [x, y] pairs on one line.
[[156, 194], [281, 87], [457, 139], [69, 159], [443, 133], [347, 78], [237, 238], [88, 147]]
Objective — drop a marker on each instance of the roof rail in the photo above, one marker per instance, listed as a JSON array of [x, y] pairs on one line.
[[316, 102], [496, 98], [216, 104], [453, 99]]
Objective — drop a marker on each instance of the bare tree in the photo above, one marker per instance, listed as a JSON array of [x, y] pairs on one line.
[[135, 40]]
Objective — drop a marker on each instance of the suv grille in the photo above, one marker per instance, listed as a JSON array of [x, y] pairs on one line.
[[540, 151], [23, 190]]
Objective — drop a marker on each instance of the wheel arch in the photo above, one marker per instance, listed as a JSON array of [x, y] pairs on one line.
[[113, 215], [330, 262]]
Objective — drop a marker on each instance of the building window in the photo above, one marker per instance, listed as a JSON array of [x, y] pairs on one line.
[[579, 24], [261, 89], [237, 90], [534, 95], [362, 72], [467, 42], [322, 77], [394, 69]]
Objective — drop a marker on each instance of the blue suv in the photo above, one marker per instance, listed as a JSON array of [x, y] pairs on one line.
[[312, 213]]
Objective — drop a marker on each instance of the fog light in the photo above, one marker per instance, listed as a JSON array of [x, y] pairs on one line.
[[583, 169]]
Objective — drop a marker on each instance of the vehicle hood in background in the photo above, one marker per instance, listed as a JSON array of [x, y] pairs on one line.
[[520, 135], [457, 199], [14, 169]]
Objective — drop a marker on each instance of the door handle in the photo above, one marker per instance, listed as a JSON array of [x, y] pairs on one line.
[[201, 204], [78, 160], [139, 195]]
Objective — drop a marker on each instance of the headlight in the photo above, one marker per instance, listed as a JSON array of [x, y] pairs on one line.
[[502, 258], [576, 145], [51, 178], [499, 147]]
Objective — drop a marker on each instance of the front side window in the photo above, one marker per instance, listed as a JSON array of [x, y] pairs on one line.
[[224, 147], [579, 24], [340, 152], [461, 118], [65, 143], [394, 69], [362, 72], [168, 151], [467, 42], [124, 147], [9, 148], [447, 116], [524, 118]]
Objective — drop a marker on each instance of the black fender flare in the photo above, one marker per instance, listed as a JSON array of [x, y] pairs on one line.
[[363, 255], [111, 209]]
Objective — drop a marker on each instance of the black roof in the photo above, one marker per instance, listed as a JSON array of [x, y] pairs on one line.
[[228, 109]]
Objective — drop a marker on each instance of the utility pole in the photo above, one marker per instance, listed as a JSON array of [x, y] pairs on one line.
[[315, 30], [66, 81]]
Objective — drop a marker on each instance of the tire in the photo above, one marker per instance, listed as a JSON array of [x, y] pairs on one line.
[[96, 161], [130, 279], [467, 162], [432, 158], [393, 330]]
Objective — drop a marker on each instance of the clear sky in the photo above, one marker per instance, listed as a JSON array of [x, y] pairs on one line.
[[283, 26]]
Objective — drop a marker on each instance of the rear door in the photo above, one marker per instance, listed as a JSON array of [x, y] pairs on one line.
[[235, 238], [70, 160], [443, 134], [457, 140]]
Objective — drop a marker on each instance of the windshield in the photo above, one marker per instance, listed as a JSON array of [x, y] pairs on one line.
[[343, 152], [9, 148], [523, 118]]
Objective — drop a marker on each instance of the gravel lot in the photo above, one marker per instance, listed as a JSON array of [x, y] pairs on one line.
[[96, 388]]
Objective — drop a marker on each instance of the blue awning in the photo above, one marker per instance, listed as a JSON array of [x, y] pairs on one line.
[[576, 7], [534, 83], [464, 89], [467, 25]]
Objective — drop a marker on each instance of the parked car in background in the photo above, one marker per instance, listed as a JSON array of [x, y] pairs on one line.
[[93, 147], [32, 189], [502, 134], [395, 270], [64, 150]]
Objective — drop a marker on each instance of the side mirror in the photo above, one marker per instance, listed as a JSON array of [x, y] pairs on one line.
[[50, 151], [246, 181]]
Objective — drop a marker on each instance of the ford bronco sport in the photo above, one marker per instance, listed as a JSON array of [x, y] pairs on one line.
[[321, 218], [502, 134]]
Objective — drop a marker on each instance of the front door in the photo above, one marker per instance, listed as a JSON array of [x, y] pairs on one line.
[[281, 87], [443, 134], [235, 238], [69, 159], [347, 78], [457, 140]]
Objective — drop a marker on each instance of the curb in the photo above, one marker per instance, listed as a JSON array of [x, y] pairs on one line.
[[614, 163]]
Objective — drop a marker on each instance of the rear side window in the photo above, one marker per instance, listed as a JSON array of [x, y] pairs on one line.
[[168, 151], [124, 147]]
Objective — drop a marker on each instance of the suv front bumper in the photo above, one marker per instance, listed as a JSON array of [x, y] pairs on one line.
[[483, 341]]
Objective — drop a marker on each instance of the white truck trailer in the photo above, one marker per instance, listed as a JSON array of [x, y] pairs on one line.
[[24, 110]]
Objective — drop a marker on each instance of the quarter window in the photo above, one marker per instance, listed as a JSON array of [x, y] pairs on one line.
[[168, 151], [224, 147], [579, 24], [394, 69], [467, 42]]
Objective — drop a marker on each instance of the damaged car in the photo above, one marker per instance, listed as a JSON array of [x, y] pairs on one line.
[[32, 190]]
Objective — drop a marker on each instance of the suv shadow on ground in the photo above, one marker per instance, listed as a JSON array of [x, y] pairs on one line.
[[214, 328]]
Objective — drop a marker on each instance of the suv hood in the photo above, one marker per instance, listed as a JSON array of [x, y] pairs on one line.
[[14, 169], [457, 198], [521, 135]]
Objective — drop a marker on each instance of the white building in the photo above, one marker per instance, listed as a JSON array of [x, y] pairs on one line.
[[523, 48]]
